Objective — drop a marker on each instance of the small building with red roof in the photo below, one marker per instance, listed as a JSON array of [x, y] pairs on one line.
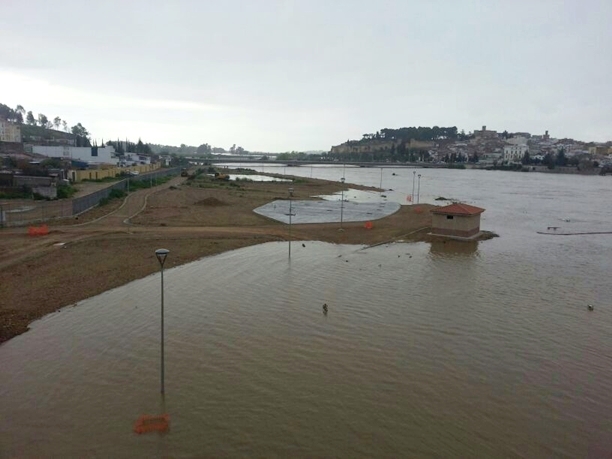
[[457, 220]]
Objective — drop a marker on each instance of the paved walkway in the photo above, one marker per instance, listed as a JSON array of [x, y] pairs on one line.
[[327, 211]]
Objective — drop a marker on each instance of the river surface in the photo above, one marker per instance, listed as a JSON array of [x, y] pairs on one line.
[[428, 350]]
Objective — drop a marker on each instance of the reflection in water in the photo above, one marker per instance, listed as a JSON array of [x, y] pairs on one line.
[[451, 248]]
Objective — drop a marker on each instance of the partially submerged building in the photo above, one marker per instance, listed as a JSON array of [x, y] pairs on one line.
[[456, 220]]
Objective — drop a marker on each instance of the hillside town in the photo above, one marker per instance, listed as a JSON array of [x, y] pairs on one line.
[[484, 147], [42, 158]]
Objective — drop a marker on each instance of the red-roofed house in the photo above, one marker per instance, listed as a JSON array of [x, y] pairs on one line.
[[457, 220]]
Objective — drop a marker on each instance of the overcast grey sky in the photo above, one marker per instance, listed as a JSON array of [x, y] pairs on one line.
[[278, 75]]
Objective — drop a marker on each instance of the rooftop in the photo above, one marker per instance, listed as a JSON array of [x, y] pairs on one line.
[[458, 208]]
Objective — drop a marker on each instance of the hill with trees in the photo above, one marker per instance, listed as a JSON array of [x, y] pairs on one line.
[[42, 128]]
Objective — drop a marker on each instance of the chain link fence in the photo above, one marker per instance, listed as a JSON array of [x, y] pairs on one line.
[[21, 212]]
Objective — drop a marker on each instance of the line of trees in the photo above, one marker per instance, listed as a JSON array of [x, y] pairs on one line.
[[414, 133], [125, 146], [19, 114]]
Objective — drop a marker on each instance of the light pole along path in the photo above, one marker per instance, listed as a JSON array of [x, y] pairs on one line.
[[161, 255]]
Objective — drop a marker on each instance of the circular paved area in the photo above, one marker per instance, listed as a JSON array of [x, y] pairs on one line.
[[326, 211]]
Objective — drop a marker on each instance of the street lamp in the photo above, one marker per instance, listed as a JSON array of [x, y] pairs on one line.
[[342, 204], [419, 190], [161, 255], [413, 177], [290, 214]]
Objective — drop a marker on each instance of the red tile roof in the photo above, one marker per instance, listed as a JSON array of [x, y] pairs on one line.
[[457, 208]]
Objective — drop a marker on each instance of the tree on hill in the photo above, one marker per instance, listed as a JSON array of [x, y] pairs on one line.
[[526, 159], [143, 148], [204, 149], [64, 125], [30, 118], [79, 130], [9, 114], [43, 121], [57, 122], [549, 161], [19, 109], [561, 158]]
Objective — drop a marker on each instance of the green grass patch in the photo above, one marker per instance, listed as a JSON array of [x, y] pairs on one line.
[[102, 180], [65, 191], [142, 183]]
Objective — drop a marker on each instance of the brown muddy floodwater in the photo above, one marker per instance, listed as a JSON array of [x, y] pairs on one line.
[[443, 350]]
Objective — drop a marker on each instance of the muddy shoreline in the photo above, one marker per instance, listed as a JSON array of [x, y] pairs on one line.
[[39, 275]]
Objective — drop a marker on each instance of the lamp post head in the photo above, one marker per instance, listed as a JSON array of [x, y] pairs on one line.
[[161, 255]]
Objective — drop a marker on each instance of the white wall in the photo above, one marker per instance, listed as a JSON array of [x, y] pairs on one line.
[[517, 140], [104, 155], [514, 152]]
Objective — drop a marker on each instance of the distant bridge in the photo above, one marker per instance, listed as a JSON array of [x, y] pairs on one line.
[[334, 163]]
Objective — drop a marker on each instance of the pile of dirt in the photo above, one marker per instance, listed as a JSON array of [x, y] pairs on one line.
[[211, 202]]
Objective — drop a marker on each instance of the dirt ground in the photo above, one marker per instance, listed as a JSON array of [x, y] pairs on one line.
[[114, 244]]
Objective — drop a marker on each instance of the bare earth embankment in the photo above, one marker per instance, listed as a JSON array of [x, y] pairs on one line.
[[100, 251]]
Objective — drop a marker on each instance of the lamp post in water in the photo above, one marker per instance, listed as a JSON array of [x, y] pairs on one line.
[[419, 190], [413, 177], [342, 205], [290, 215], [161, 255]]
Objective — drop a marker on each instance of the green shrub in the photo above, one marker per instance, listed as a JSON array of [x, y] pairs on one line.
[[65, 191], [116, 194]]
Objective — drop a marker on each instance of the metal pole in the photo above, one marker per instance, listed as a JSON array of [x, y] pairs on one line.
[[413, 177], [290, 215], [162, 329], [419, 192], [342, 205], [342, 209], [381, 171]]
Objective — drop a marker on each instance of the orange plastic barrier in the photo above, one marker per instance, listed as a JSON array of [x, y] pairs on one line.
[[368, 225], [38, 230], [147, 423]]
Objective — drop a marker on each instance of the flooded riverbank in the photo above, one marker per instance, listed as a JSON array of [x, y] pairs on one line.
[[427, 350]]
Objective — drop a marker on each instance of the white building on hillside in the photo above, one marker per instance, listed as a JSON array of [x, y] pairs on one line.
[[91, 155], [516, 150], [9, 132]]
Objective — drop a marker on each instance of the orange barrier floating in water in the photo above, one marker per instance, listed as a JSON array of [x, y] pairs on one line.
[[368, 225], [147, 423], [38, 230]]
